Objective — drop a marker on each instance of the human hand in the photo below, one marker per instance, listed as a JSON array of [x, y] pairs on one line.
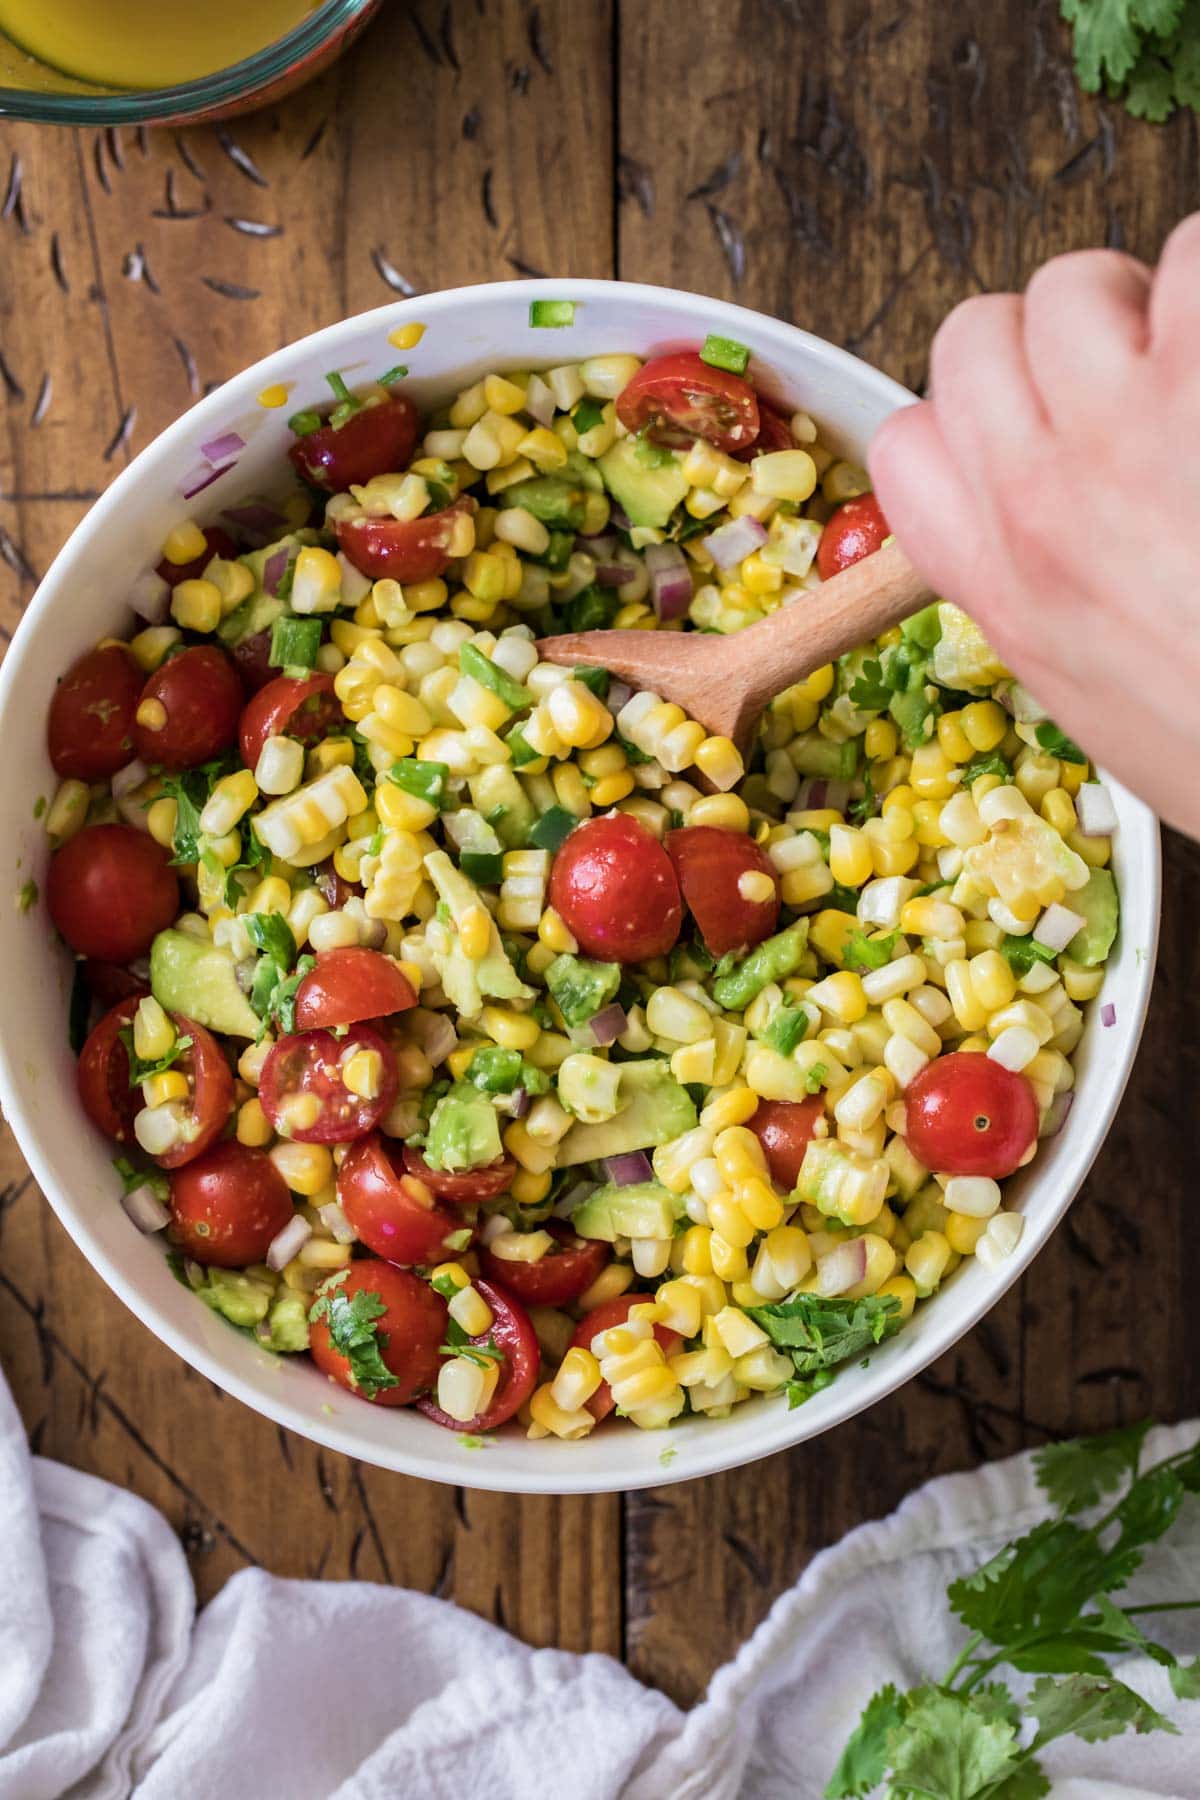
[[1051, 488]]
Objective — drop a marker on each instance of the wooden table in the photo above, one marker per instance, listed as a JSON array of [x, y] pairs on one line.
[[854, 165]]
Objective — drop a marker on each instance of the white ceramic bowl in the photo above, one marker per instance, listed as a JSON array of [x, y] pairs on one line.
[[468, 331]]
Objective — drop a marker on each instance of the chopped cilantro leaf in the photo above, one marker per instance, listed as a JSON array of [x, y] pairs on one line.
[[1056, 743], [863, 953], [140, 1071], [355, 1334], [1022, 952]]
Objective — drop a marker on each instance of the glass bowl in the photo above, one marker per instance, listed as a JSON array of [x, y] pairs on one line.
[[30, 89]]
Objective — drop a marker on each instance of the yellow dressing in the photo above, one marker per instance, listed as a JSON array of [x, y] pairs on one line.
[[144, 43]]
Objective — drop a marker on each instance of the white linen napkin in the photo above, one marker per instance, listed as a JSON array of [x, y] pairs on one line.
[[110, 1685]]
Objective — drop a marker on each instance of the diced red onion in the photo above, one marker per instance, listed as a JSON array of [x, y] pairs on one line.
[[1056, 1117], [288, 1243], [573, 1198], [1108, 1014], [620, 517], [1097, 814], [539, 401], [150, 597], [605, 544], [670, 580], [810, 795], [134, 812], [139, 968], [255, 516], [624, 1170], [145, 1209], [514, 1105], [195, 1273], [608, 1024], [336, 1223], [1019, 703], [730, 543], [614, 575], [263, 1333], [131, 776], [843, 1268], [274, 570], [440, 1039], [619, 694], [196, 480], [1057, 926], [219, 448]]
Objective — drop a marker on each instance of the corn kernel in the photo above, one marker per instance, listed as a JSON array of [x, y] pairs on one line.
[[184, 543], [253, 1126]]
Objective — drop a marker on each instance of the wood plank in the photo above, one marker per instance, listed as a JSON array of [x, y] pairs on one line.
[[859, 171]]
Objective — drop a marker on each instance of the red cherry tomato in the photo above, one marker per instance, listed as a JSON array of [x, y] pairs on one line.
[[202, 696], [560, 1277], [90, 724], [109, 982], [783, 1128], [252, 658], [614, 886], [110, 891], [465, 1187], [855, 530], [375, 440], [404, 550], [710, 863], [512, 1332], [390, 1214], [409, 1332], [677, 398], [311, 1062], [211, 1084], [227, 1206], [349, 985], [303, 707], [103, 1076], [967, 1115], [603, 1318], [774, 433], [216, 543]]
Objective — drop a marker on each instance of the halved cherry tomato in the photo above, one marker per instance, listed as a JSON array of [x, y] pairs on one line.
[[512, 1332], [403, 550], [109, 982], [303, 707], [252, 658], [603, 1318], [558, 1277], [228, 1205], [855, 530], [615, 889], [110, 891], [375, 440], [103, 1075], [967, 1115], [90, 724], [202, 696], [216, 543], [710, 864], [783, 1128], [390, 1214], [349, 985], [774, 433], [409, 1332], [465, 1187], [311, 1062], [677, 398], [211, 1083]]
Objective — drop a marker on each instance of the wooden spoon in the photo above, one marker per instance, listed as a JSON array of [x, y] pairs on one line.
[[726, 682]]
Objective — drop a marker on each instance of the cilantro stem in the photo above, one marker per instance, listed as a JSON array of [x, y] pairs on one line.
[[965, 1656], [1162, 1606]]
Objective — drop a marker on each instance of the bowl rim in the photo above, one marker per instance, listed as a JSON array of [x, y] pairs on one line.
[[940, 1331]]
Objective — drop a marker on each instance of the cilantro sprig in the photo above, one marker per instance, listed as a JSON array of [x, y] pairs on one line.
[[458, 1343], [1143, 52], [355, 1334], [1041, 1605]]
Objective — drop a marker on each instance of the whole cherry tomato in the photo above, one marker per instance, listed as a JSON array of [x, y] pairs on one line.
[[511, 1332], [201, 696], [711, 865], [465, 1187], [103, 1075], [677, 398], [855, 530], [388, 1210], [409, 1329], [405, 550], [603, 1318], [967, 1115], [556, 1278], [784, 1128], [90, 724], [349, 985], [378, 439], [303, 707], [110, 891], [613, 885], [216, 543], [228, 1205], [313, 1064]]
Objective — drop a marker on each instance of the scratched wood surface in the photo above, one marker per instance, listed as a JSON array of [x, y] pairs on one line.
[[857, 168]]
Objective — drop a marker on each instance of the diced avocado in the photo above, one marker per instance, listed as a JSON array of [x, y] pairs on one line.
[[1096, 902], [589, 1087], [813, 754], [504, 804], [654, 1109], [493, 973], [288, 1319], [644, 1209], [551, 498], [924, 627], [580, 988], [648, 493], [962, 657], [241, 1299], [773, 960], [200, 980], [463, 1130], [256, 614]]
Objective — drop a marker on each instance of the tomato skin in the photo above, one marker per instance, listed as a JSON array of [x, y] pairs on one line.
[[110, 890], [203, 699], [289, 706], [216, 542], [391, 1220], [709, 863], [675, 399], [855, 530], [465, 1187], [774, 433], [402, 550], [375, 440], [103, 1076], [109, 982], [309, 1062], [783, 1128], [603, 1318], [227, 1205], [512, 1330], [414, 1324], [560, 1277], [211, 1082], [943, 1108], [90, 723], [349, 985], [613, 885]]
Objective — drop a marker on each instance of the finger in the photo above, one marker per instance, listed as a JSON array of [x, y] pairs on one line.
[[925, 499], [1175, 297], [1086, 323], [986, 405]]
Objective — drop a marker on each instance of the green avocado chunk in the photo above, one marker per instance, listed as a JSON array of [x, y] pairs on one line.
[[550, 498], [1096, 902], [648, 493], [643, 1209], [581, 988], [237, 1297], [772, 960], [654, 1109], [288, 1319], [464, 1132], [200, 980]]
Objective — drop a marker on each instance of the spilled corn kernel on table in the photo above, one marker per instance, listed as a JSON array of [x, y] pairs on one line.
[[857, 172]]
